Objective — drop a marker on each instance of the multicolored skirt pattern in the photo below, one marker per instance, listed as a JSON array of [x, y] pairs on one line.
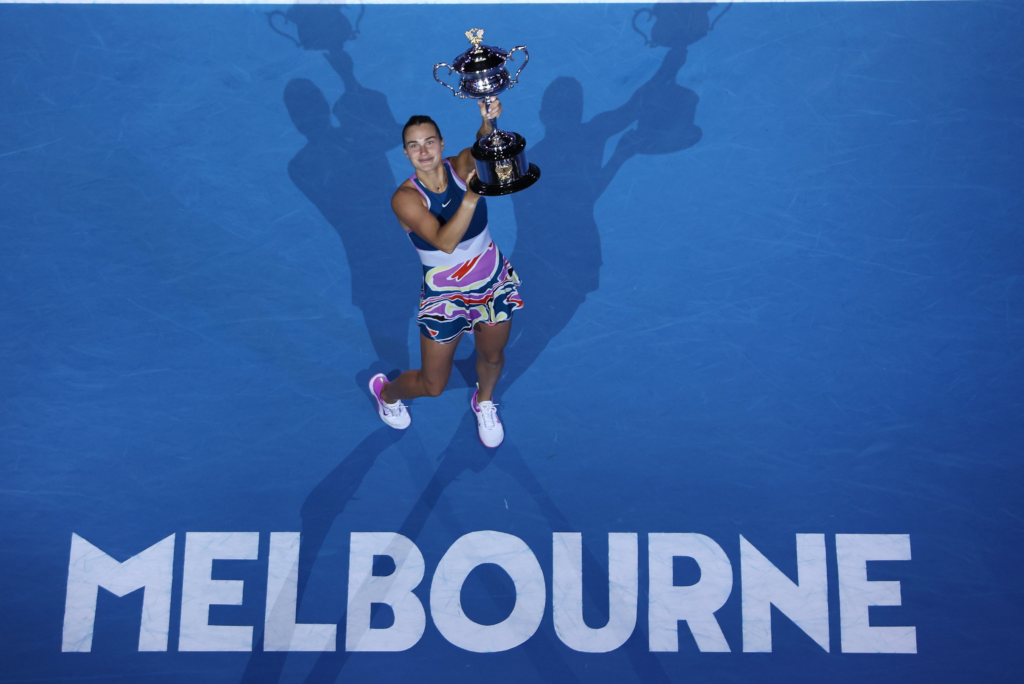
[[484, 289]]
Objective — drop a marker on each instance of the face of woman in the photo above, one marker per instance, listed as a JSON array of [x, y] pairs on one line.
[[424, 147]]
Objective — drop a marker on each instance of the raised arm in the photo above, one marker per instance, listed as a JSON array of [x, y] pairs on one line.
[[607, 124], [464, 163], [408, 206]]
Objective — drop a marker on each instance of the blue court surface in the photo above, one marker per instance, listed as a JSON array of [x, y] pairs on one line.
[[763, 405]]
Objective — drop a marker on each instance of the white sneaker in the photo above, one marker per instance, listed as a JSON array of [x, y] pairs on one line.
[[395, 415], [488, 426]]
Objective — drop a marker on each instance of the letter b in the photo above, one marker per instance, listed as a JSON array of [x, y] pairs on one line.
[[365, 589]]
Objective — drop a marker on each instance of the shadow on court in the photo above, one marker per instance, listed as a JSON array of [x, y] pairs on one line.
[[344, 172]]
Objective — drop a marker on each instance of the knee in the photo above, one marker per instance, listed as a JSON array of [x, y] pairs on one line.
[[434, 388], [492, 358]]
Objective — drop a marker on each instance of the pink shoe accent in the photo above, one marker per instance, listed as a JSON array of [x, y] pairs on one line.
[[377, 385], [394, 415]]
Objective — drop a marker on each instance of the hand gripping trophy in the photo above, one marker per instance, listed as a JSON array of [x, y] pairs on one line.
[[501, 166]]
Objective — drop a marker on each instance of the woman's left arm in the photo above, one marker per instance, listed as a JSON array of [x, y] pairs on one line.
[[464, 163]]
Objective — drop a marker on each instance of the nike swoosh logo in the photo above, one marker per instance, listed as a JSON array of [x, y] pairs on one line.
[[446, 204]]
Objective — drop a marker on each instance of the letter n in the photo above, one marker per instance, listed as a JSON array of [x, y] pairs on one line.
[[805, 602], [90, 568]]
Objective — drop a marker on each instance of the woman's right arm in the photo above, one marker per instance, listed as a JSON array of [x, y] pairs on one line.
[[407, 204]]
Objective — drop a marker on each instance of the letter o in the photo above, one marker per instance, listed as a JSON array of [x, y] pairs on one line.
[[513, 556]]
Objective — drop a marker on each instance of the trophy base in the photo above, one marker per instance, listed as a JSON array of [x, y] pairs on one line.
[[498, 189], [501, 166]]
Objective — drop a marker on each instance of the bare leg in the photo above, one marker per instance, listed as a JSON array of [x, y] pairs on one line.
[[428, 381], [490, 356]]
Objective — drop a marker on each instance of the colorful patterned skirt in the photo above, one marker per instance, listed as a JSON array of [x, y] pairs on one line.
[[484, 289]]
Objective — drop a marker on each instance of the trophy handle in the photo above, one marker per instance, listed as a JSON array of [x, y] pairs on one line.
[[359, 19], [455, 92], [270, 19], [647, 41], [515, 79], [712, 27]]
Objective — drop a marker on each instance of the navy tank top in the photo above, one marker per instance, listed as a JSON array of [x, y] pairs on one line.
[[444, 205]]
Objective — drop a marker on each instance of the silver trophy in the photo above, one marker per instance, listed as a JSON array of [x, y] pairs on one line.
[[501, 166]]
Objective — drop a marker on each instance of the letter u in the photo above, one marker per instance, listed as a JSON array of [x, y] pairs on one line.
[[567, 592]]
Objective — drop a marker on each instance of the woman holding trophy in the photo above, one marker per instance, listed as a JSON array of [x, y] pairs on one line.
[[468, 285]]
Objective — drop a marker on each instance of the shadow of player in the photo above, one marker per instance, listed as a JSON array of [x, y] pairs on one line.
[[345, 173]]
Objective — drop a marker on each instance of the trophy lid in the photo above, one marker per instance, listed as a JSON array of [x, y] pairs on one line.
[[479, 57]]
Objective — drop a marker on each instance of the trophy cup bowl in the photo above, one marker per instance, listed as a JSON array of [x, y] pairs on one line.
[[501, 166]]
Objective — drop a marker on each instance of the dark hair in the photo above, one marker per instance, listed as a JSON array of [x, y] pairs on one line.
[[416, 121]]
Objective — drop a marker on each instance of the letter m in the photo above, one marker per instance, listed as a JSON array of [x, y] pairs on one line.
[[89, 569]]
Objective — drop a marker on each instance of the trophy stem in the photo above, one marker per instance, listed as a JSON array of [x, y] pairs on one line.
[[494, 122]]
